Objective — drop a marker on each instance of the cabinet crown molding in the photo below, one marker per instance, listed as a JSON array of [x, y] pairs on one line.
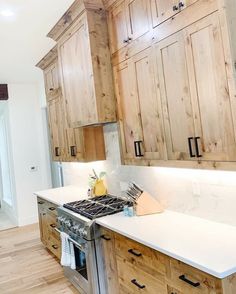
[[75, 10], [49, 58]]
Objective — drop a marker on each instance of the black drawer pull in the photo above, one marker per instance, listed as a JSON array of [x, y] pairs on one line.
[[51, 89], [53, 226], [181, 4], [190, 147], [104, 237], [183, 278], [196, 146], [55, 247], [132, 251], [73, 151], [134, 281], [40, 202], [52, 208]]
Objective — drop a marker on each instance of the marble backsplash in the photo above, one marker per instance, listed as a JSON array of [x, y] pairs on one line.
[[202, 193]]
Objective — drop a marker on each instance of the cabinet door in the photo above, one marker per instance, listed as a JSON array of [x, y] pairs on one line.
[[175, 95], [139, 109], [77, 75], [209, 88], [137, 17], [127, 110], [51, 80], [56, 126], [163, 10], [118, 31], [149, 105]]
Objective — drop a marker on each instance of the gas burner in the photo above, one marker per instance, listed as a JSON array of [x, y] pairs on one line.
[[98, 206]]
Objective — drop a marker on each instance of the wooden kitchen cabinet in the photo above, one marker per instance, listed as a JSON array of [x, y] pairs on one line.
[[195, 95], [131, 267], [128, 20], [85, 66], [47, 225], [67, 144], [139, 109]]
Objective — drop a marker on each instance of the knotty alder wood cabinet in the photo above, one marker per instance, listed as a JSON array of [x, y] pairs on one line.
[[67, 144], [85, 65], [131, 267], [175, 87], [47, 224]]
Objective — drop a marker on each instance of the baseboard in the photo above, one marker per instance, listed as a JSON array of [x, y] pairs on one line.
[[27, 221]]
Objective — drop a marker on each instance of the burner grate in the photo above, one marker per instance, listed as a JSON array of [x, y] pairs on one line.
[[98, 206]]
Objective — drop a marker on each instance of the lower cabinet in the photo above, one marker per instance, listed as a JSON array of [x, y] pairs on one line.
[[131, 267], [47, 224]]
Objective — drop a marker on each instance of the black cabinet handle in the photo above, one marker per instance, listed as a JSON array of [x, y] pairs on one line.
[[104, 237], [196, 146], [73, 151], [137, 148], [175, 8], [183, 278], [40, 202], [126, 41], [57, 151], [53, 226], [181, 4], [55, 247], [51, 89], [52, 208], [132, 251], [190, 147], [134, 281]]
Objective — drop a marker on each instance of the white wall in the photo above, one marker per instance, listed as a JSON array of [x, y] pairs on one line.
[[29, 148], [207, 194]]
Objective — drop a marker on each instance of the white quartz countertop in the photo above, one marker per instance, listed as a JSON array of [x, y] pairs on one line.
[[203, 244], [60, 196]]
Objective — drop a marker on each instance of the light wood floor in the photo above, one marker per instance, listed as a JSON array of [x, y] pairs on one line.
[[26, 267]]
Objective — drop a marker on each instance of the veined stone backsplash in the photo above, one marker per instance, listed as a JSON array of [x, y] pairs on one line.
[[202, 193]]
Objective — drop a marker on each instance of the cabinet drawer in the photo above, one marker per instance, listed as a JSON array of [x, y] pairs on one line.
[[134, 280], [52, 224], [52, 209], [187, 279], [141, 256], [54, 245]]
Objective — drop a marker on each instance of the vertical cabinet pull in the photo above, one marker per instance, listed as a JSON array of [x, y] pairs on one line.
[[197, 147], [190, 147], [134, 281], [175, 8], [184, 279], [57, 151], [181, 4], [137, 148], [73, 151]]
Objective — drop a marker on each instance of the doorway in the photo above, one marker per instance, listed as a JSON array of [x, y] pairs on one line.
[[7, 200]]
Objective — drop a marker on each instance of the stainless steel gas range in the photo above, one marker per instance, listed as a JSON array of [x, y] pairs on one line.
[[77, 220]]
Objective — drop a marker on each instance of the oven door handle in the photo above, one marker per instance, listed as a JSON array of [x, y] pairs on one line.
[[71, 240]]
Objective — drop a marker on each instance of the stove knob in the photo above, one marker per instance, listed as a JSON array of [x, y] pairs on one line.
[[68, 223], [83, 232], [75, 228]]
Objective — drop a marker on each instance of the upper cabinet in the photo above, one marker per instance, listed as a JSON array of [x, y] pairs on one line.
[[165, 9], [128, 20], [85, 66], [139, 109]]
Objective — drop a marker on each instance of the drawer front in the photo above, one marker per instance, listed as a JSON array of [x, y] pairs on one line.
[[134, 280], [52, 209], [187, 279], [42, 204], [52, 225], [141, 256], [54, 245]]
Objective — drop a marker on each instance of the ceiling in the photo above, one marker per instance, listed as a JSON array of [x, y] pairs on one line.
[[23, 29]]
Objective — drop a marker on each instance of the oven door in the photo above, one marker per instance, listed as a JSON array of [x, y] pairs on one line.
[[80, 276]]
